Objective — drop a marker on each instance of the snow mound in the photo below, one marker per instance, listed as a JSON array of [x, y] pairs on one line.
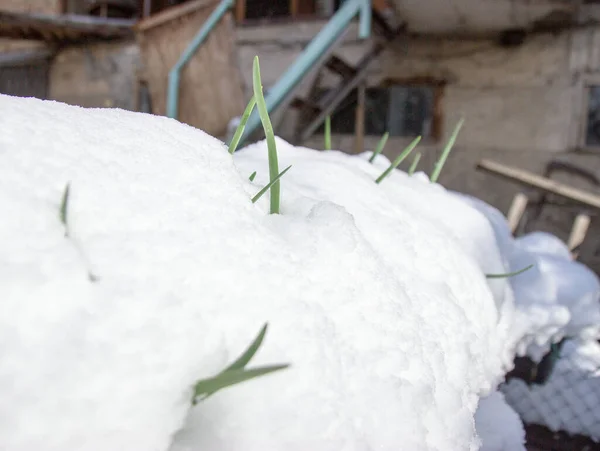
[[556, 298], [382, 310]]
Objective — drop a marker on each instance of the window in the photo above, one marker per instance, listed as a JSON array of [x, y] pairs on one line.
[[270, 10], [25, 74], [592, 124], [398, 109]]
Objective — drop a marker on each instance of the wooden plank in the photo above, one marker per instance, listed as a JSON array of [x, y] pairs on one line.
[[307, 105], [174, 12], [545, 184], [62, 27], [340, 67]]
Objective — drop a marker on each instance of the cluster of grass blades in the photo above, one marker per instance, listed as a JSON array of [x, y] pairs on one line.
[[235, 373], [399, 159], [258, 100], [406, 152]]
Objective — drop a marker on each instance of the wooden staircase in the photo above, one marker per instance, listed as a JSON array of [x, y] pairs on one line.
[[316, 106]]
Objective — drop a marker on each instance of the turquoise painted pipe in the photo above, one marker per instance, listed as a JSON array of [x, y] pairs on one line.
[[305, 62], [175, 72]]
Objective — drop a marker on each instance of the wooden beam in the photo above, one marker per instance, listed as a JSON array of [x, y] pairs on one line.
[[538, 182], [174, 12], [340, 67]]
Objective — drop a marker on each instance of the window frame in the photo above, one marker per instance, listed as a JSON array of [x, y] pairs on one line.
[[586, 83]]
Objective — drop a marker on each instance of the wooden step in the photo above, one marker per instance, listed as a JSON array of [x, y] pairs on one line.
[[340, 67], [306, 105]]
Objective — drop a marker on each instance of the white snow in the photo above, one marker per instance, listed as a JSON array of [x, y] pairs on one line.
[[375, 294], [557, 297], [498, 425]]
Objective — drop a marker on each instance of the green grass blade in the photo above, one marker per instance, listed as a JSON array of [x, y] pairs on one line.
[[414, 164], [243, 360], [64, 204], [328, 133], [399, 159], [440, 163], [269, 185], [510, 274], [380, 146], [242, 125], [269, 135], [252, 176], [207, 387], [64, 207]]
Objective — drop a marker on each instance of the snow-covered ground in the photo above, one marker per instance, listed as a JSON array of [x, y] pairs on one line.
[[376, 295]]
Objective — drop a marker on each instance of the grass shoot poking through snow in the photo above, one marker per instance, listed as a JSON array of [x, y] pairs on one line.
[[414, 164], [269, 185], [64, 208], [252, 176], [510, 274], [63, 216], [242, 125], [269, 135], [236, 372], [328, 133], [380, 146], [399, 159], [440, 163]]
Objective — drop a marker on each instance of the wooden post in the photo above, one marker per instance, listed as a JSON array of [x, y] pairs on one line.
[[516, 211], [578, 231], [147, 7], [240, 11], [359, 124]]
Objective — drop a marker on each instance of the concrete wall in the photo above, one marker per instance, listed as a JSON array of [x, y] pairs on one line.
[[98, 75], [32, 6], [522, 106]]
